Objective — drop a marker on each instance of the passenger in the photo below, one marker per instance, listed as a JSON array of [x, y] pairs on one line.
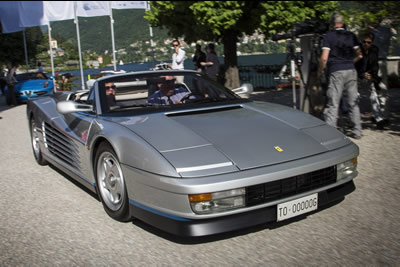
[[167, 93], [110, 94]]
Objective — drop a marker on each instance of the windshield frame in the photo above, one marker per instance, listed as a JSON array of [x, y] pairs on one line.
[[145, 108]]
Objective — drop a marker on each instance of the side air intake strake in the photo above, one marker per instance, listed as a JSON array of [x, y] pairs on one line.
[[60, 145]]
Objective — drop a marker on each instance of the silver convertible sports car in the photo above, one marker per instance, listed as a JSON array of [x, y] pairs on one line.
[[188, 156]]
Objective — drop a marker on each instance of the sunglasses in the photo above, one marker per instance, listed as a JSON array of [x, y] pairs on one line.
[[111, 87], [174, 45], [367, 42]]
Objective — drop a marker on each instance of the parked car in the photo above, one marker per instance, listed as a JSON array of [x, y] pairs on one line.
[[30, 85], [191, 158]]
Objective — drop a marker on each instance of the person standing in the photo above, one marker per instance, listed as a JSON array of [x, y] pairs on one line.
[[382, 36], [368, 73], [199, 56], [40, 68], [3, 82], [178, 57], [340, 49], [212, 63], [11, 81]]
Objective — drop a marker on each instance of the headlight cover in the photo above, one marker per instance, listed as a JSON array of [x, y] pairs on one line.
[[218, 201], [347, 169]]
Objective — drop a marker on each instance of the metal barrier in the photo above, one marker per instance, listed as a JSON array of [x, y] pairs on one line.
[[260, 76]]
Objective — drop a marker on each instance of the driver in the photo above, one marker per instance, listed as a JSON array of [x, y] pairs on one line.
[[167, 93]]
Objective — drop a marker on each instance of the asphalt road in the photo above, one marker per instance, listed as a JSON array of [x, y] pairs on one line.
[[46, 219]]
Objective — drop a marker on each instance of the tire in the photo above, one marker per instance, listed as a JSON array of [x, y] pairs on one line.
[[37, 153], [110, 183]]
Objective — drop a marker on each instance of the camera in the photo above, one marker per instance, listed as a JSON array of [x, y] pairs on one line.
[[308, 26]]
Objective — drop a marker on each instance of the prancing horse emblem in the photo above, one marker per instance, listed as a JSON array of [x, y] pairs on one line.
[[277, 148]]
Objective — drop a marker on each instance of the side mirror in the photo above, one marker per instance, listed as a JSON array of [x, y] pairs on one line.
[[65, 107], [245, 90]]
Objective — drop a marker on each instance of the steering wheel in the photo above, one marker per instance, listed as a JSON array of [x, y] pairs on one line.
[[196, 95]]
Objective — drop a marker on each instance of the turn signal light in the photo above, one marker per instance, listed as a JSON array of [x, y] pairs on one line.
[[200, 197]]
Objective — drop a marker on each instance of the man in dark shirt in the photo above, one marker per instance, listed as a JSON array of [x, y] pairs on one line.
[[340, 49], [368, 73], [199, 56], [212, 63]]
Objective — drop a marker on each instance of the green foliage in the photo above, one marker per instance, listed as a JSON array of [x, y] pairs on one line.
[[278, 16], [12, 46], [210, 20], [360, 14]]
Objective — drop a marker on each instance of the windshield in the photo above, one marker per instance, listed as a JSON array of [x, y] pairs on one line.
[[152, 91], [31, 76]]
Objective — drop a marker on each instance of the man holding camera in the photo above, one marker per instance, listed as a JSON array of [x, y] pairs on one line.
[[339, 51]]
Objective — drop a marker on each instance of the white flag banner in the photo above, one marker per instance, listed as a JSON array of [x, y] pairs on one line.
[[129, 4], [58, 10], [92, 8], [9, 17]]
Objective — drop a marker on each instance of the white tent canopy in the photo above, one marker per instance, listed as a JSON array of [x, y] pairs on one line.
[[16, 15]]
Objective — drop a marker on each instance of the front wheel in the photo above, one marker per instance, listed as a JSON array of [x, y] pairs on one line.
[[111, 183], [35, 144]]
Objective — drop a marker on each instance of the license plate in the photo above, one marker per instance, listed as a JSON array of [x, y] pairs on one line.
[[297, 207]]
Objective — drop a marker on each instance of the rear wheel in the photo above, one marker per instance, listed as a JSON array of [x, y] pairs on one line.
[[111, 183], [35, 144]]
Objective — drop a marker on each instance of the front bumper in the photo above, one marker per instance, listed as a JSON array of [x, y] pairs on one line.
[[24, 97], [203, 227]]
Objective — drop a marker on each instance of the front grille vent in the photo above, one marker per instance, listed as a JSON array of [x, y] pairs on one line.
[[41, 93], [61, 146], [263, 193]]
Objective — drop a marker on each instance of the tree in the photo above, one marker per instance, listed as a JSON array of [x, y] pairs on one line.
[[226, 21], [12, 46], [359, 14]]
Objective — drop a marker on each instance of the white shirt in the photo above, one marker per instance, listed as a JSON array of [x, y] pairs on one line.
[[177, 60]]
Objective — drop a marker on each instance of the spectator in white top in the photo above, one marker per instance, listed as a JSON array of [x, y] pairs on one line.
[[178, 57]]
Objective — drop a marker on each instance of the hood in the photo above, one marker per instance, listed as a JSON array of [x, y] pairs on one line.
[[236, 137], [32, 85]]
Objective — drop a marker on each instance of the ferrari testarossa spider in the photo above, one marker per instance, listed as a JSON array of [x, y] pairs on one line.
[[188, 156]]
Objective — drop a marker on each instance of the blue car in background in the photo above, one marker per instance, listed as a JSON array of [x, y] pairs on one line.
[[30, 85]]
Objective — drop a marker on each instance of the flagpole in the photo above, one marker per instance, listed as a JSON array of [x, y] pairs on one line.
[[79, 47], [51, 51], [26, 51], [151, 33], [112, 38]]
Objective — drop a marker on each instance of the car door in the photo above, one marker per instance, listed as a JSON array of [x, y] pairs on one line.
[[69, 142]]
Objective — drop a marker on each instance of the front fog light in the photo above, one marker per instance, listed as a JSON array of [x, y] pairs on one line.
[[347, 169], [217, 201]]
